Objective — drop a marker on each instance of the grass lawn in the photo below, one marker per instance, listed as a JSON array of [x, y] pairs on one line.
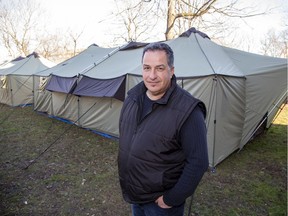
[[77, 173]]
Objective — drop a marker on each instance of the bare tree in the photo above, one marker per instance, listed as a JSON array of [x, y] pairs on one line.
[[176, 16], [54, 47], [18, 22], [75, 38], [22, 31], [136, 17], [275, 44], [203, 14]]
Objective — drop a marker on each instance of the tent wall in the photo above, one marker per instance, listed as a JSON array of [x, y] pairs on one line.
[[5, 96], [65, 106], [22, 89], [101, 114], [16, 90], [224, 98], [263, 92], [131, 81], [230, 116], [42, 98], [204, 88]]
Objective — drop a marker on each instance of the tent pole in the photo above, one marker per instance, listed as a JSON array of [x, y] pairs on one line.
[[88, 68], [276, 105], [214, 120]]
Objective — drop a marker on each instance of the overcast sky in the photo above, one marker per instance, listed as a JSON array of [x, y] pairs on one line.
[[88, 16]]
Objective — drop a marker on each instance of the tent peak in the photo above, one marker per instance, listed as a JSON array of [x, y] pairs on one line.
[[195, 31], [35, 54], [94, 45], [133, 45]]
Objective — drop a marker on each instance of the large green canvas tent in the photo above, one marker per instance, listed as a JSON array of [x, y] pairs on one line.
[[238, 88]]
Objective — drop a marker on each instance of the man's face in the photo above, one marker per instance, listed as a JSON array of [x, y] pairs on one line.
[[156, 73]]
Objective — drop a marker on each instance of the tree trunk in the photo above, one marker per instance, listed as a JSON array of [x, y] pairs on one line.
[[171, 16]]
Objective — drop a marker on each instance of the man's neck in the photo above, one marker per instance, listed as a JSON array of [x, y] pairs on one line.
[[154, 97]]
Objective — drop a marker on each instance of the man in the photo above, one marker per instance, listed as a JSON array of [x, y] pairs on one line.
[[162, 146]]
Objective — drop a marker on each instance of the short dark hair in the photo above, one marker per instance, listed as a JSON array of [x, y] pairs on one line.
[[162, 47]]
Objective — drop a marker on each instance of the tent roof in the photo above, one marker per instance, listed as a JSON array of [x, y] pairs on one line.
[[80, 63], [195, 56], [250, 63], [7, 63], [30, 65], [120, 63]]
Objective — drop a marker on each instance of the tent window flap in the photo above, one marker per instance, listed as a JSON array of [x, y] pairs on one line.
[[114, 88], [61, 84]]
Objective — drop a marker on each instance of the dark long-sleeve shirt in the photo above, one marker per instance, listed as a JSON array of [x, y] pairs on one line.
[[194, 143]]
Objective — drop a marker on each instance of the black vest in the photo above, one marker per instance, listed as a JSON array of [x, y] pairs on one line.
[[151, 159]]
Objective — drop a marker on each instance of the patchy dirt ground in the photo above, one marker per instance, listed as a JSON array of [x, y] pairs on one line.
[[48, 167]]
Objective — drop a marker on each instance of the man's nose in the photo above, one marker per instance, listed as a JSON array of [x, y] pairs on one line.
[[152, 74]]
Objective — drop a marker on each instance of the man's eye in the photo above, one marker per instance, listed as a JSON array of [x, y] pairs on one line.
[[160, 68], [146, 68]]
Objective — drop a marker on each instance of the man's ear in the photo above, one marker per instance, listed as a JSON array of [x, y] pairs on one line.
[[171, 72]]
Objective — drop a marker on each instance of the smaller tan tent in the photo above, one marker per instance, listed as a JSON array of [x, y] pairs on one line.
[[55, 99], [16, 79]]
